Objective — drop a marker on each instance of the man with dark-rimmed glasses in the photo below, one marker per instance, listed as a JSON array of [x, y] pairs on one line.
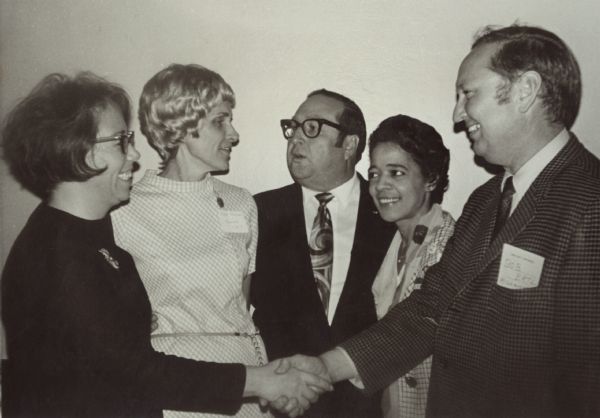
[[320, 244]]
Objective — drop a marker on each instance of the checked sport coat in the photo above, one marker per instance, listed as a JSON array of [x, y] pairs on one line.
[[532, 352]]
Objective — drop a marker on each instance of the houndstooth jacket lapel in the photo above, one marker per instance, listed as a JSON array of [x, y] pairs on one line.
[[525, 211]]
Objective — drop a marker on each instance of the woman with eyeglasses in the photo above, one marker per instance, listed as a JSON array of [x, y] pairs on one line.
[[76, 314], [408, 176], [192, 236]]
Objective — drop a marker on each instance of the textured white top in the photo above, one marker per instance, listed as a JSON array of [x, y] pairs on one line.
[[407, 397], [192, 255], [192, 269]]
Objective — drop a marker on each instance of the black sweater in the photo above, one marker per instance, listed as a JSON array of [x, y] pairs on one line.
[[77, 321]]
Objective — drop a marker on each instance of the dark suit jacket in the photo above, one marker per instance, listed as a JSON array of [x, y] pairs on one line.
[[531, 352], [78, 332], [289, 312]]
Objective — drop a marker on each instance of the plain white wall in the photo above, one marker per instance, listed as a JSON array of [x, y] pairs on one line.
[[389, 56]]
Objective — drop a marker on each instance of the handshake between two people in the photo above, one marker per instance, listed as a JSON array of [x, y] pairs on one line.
[[289, 385]]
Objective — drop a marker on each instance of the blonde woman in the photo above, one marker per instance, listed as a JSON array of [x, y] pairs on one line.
[[192, 236]]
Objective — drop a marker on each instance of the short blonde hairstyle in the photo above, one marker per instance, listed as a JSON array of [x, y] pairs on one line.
[[175, 100]]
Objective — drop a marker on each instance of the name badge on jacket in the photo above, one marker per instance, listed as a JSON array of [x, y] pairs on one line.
[[233, 221], [519, 269]]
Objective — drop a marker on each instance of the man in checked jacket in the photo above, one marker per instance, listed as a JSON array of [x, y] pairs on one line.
[[511, 313]]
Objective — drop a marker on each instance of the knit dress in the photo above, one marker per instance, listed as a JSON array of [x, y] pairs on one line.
[[193, 244]]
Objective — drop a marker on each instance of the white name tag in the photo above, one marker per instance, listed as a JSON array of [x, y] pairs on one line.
[[233, 221], [519, 269]]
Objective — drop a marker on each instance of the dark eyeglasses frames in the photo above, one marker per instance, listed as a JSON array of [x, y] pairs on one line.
[[125, 139], [310, 127]]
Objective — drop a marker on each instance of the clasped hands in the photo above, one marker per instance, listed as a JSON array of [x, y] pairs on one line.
[[290, 385]]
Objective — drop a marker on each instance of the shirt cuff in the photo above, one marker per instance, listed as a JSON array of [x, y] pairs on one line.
[[355, 379]]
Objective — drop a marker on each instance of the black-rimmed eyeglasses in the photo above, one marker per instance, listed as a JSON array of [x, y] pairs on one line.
[[125, 139], [310, 127]]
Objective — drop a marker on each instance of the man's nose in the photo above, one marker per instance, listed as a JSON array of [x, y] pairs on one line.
[[298, 135], [458, 115]]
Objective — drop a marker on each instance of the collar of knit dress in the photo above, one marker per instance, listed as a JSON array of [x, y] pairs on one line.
[[151, 178]]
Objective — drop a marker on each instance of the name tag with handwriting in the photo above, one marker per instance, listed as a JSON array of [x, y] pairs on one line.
[[233, 221], [519, 269]]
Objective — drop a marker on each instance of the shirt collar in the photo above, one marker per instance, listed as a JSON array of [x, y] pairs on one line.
[[342, 194], [523, 178]]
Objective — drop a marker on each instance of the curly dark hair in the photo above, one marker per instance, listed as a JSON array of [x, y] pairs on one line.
[[47, 136], [423, 143]]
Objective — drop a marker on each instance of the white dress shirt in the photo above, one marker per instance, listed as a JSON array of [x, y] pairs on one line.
[[343, 209], [527, 174]]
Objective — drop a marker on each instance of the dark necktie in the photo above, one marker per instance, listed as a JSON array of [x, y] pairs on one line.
[[321, 248], [504, 206]]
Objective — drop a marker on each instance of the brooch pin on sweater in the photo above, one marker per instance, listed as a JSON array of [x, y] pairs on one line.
[[109, 259]]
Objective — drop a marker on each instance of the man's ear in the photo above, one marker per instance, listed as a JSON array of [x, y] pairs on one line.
[[350, 145], [528, 86]]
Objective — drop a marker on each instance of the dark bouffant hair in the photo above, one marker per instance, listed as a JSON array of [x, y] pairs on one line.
[[48, 134], [424, 145]]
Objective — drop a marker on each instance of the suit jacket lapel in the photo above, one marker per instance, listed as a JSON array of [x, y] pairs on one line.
[[524, 213], [363, 216], [372, 238], [488, 219], [299, 254]]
